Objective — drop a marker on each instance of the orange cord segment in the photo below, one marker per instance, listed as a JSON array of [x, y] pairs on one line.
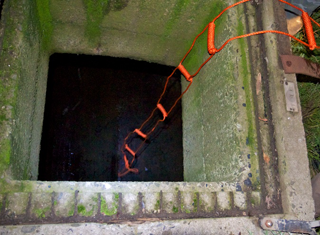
[[309, 30], [185, 73], [163, 111], [140, 133], [127, 166], [130, 151], [211, 48]]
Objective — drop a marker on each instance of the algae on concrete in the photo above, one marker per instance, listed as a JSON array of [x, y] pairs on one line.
[[219, 127], [23, 64], [111, 207], [41, 213]]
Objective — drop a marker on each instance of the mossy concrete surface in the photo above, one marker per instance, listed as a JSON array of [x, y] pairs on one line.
[[218, 114], [23, 82], [143, 30], [58, 202], [32, 30]]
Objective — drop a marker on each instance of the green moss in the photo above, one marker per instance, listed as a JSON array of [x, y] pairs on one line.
[[175, 209], [157, 206], [251, 134], [108, 211], [45, 21], [16, 186], [252, 201], [118, 5], [95, 13], [95, 199], [116, 196], [82, 210], [199, 52], [197, 55], [195, 202], [71, 212], [55, 203], [5, 153], [178, 9], [246, 85], [41, 213]]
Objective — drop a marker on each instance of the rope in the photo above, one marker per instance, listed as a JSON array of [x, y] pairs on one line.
[[212, 50]]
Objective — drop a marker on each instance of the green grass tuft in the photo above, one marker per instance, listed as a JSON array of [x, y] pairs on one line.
[[310, 96]]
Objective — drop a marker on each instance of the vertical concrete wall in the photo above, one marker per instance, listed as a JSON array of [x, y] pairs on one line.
[[218, 111], [157, 31], [23, 74]]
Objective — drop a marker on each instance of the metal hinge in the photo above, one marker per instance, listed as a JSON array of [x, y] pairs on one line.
[[291, 226]]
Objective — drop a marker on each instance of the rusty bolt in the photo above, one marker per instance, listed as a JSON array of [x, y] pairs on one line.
[[269, 223], [289, 63]]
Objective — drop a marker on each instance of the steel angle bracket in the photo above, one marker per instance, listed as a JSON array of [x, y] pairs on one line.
[[297, 64], [291, 226]]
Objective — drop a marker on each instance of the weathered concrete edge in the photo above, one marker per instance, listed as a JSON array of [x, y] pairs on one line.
[[15, 186], [201, 226], [295, 181]]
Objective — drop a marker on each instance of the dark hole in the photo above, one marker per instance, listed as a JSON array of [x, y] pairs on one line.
[[1, 8], [92, 103]]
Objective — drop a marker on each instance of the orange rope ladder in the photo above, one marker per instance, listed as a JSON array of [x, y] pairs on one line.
[[212, 50]]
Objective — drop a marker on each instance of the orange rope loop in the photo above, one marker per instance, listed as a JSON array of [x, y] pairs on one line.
[[211, 48], [140, 133], [184, 72], [163, 111], [130, 151], [309, 30], [212, 51], [127, 166]]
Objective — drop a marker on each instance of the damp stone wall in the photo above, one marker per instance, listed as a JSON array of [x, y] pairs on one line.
[[153, 31]]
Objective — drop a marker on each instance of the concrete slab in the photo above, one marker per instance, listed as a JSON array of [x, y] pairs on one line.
[[203, 226], [64, 204], [41, 204], [17, 204]]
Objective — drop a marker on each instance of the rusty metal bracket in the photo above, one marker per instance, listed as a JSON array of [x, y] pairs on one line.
[[291, 226], [297, 64]]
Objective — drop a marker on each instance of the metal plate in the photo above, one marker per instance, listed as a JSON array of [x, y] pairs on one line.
[[291, 98], [297, 64], [282, 225]]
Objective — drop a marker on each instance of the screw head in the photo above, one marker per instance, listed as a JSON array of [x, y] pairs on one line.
[[269, 223]]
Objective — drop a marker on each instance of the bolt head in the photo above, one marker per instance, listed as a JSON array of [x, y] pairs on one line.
[[289, 63], [269, 223]]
